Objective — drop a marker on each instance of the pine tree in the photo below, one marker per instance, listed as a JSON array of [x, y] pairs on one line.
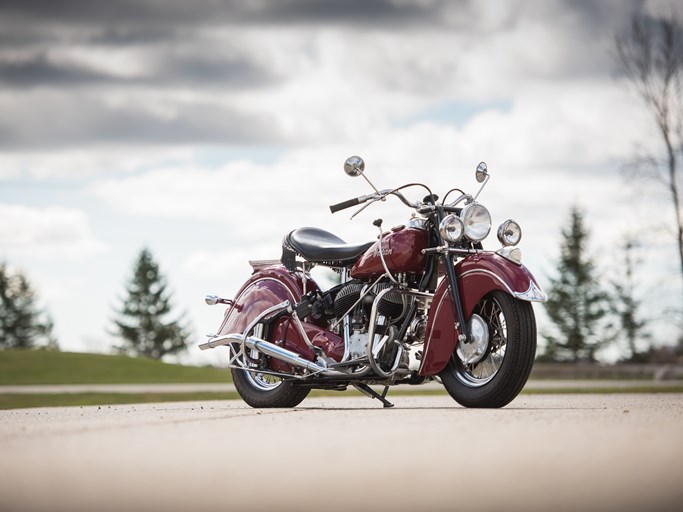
[[142, 318], [576, 304], [22, 323]]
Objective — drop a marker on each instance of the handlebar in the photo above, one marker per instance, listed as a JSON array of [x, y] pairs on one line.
[[379, 196], [346, 204]]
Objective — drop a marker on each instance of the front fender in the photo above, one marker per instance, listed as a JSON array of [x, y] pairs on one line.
[[478, 275]]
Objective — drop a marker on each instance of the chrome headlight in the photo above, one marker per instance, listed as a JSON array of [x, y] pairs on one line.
[[451, 228], [477, 221], [509, 233]]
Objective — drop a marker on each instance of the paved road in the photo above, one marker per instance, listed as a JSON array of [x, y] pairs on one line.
[[573, 384], [549, 452]]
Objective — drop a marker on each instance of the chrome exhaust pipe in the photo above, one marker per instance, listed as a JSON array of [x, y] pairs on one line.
[[272, 350], [217, 341]]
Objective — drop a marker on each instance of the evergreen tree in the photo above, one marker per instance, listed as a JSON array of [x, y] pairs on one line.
[[22, 323], [576, 304], [142, 320]]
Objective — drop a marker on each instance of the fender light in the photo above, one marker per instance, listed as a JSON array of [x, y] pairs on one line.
[[513, 254], [509, 233]]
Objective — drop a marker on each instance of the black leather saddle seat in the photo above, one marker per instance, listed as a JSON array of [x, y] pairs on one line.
[[320, 246]]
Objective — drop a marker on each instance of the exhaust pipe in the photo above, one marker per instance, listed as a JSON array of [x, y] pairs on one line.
[[272, 350]]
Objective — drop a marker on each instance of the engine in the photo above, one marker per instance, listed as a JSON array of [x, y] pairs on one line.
[[391, 305], [355, 300]]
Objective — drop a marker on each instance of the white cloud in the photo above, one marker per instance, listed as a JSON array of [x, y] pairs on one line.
[[86, 163], [46, 233], [555, 145]]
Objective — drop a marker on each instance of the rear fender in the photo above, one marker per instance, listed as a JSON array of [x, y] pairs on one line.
[[269, 286], [478, 275], [265, 288]]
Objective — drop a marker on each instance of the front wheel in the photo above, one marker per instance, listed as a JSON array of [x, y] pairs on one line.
[[496, 378]]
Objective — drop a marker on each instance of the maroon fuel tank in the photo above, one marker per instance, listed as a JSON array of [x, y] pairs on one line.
[[271, 285], [402, 249], [477, 276]]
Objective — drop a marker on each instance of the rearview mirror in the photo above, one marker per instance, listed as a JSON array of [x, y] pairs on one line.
[[482, 172], [354, 166]]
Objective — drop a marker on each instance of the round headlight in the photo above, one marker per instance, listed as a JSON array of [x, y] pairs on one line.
[[451, 228], [509, 233], [477, 221]]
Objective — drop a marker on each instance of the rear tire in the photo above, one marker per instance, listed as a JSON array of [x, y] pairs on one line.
[[261, 391], [502, 373]]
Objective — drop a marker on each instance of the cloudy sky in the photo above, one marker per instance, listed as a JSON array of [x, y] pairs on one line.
[[205, 130]]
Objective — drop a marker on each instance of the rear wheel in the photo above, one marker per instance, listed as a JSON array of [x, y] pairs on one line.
[[498, 376], [261, 390]]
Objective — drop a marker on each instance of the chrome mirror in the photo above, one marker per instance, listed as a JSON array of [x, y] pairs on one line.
[[482, 172], [354, 166]]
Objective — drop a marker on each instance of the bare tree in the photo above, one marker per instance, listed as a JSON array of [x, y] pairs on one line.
[[650, 53], [625, 304]]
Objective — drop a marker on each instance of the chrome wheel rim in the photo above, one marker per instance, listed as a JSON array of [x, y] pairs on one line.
[[480, 373], [261, 381]]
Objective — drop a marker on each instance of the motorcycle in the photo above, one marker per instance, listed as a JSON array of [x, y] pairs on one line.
[[424, 302]]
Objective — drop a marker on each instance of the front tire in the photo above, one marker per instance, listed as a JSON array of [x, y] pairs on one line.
[[501, 374]]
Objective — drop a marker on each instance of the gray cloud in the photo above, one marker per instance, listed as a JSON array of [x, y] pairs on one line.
[[167, 70], [48, 122], [39, 70], [176, 45], [181, 12]]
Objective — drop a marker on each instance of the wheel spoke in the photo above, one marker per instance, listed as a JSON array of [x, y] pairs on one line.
[[480, 373]]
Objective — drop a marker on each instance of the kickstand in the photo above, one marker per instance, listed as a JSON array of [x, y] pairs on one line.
[[368, 391]]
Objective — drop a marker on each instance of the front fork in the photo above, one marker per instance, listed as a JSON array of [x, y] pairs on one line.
[[456, 304]]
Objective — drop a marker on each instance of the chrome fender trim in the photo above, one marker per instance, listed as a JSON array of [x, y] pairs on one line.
[[533, 294]]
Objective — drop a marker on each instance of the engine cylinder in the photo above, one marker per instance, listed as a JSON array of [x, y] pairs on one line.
[[346, 297], [392, 305]]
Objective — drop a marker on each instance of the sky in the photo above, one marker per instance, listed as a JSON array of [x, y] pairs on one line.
[[207, 130]]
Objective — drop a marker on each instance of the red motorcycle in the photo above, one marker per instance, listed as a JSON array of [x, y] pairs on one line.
[[424, 302]]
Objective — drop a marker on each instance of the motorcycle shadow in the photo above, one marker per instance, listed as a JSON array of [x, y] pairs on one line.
[[454, 408]]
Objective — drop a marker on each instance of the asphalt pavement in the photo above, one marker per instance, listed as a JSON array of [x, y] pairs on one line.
[[618, 452], [534, 384]]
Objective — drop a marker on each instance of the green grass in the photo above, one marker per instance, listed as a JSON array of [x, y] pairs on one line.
[[21, 367], [22, 401], [604, 390]]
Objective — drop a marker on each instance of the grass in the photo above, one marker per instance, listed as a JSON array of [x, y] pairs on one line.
[[23, 367], [22, 401], [604, 390]]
